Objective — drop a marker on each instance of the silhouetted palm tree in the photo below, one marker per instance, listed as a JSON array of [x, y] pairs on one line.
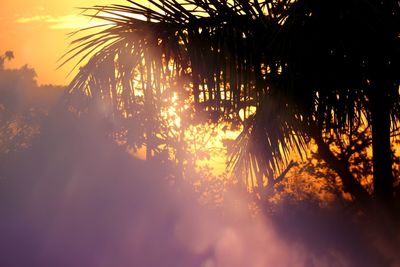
[[308, 67], [348, 53], [9, 55]]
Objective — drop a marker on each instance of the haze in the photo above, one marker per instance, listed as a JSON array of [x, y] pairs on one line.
[[37, 33]]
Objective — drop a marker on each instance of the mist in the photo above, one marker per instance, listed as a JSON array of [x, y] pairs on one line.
[[70, 196], [76, 198]]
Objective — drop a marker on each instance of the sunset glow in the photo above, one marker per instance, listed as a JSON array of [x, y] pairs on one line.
[[199, 133], [38, 34]]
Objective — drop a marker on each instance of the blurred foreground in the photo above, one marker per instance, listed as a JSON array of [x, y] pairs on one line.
[[70, 196], [75, 198]]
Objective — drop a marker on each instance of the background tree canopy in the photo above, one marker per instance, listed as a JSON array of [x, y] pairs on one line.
[[23, 105]]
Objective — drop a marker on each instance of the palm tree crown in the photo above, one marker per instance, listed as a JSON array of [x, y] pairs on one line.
[[307, 67]]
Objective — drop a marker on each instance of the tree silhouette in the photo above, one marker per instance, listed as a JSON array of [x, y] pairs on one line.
[[23, 105], [9, 55], [350, 52], [309, 68]]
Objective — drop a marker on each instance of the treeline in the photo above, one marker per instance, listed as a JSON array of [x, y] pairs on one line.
[[23, 104]]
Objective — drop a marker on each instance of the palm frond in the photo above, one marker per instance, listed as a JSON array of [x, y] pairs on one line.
[[298, 63]]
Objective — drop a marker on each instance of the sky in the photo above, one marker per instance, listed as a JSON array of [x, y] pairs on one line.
[[37, 31]]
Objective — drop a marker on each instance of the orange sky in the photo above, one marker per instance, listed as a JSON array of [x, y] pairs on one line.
[[36, 31]]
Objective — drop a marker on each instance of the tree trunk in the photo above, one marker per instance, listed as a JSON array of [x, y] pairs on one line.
[[381, 149], [350, 183]]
